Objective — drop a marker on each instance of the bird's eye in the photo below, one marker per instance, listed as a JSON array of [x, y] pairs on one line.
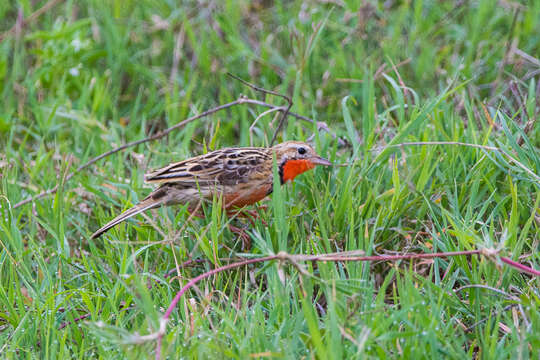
[[302, 150]]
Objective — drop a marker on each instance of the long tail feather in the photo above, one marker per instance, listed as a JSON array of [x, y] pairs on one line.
[[144, 205]]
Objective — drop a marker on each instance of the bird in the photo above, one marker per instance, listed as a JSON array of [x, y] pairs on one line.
[[241, 176]]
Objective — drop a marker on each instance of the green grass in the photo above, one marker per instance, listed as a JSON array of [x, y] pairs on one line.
[[88, 76]]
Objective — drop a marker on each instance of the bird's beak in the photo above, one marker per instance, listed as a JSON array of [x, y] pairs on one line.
[[317, 160]]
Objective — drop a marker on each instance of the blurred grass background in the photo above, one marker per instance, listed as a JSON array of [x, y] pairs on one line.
[[83, 77]]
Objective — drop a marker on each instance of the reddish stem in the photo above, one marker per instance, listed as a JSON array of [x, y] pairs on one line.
[[293, 258], [82, 317], [208, 274], [388, 257], [519, 266], [196, 280]]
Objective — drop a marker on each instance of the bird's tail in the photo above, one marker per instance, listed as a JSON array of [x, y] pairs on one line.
[[144, 205]]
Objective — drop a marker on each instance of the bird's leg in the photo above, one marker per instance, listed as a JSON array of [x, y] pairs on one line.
[[255, 213], [250, 215], [244, 237]]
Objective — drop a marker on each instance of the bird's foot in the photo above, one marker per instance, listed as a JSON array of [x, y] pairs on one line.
[[244, 237]]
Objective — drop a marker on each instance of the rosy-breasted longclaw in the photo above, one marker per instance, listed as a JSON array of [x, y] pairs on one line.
[[241, 176]]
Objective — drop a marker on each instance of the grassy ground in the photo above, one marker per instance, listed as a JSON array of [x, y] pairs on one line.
[[84, 77]]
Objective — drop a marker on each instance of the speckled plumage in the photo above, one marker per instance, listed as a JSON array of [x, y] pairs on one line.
[[242, 176]]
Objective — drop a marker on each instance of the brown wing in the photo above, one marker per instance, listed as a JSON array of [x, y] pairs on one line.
[[229, 166]]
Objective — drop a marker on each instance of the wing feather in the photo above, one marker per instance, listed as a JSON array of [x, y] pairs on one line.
[[228, 166]]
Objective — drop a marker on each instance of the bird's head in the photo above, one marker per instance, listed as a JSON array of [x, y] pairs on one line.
[[294, 158]]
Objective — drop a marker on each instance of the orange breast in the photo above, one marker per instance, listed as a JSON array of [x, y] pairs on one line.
[[246, 197], [293, 168]]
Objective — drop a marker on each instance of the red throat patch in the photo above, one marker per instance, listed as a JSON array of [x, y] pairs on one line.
[[293, 168]]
